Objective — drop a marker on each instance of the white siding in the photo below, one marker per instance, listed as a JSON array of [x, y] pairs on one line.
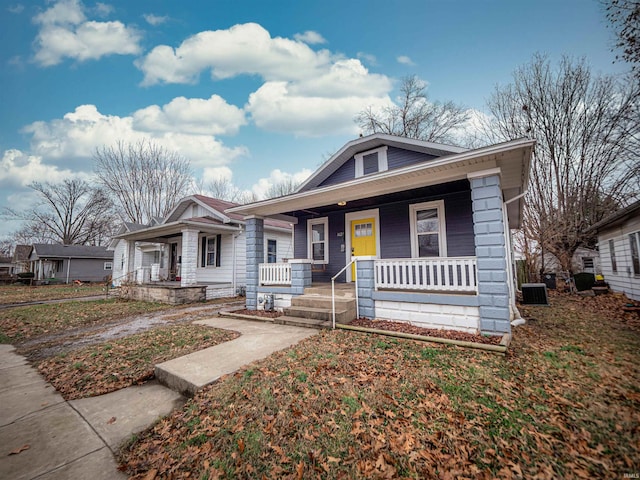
[[624, 280], [120, 262], [427, 315]]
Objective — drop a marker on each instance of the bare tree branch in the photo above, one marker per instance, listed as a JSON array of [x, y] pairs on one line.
[[145, 179], [414, 116]]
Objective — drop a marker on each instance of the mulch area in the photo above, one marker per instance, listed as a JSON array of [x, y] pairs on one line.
[[427, 332]]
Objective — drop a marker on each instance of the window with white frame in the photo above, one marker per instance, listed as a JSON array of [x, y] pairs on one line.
[[108, 265], [210, 251], [612, 254], [272, 251], [371, 161], [318, 239], [634, 243], [428, 231]]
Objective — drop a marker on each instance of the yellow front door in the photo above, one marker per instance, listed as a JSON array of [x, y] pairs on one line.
[[363, 240]]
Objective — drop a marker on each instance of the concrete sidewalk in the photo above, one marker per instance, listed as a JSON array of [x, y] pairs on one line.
[[257, 340], [43, 436]]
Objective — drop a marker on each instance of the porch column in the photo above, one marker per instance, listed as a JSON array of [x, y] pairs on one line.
[[366, 285], [189, 257], [137, 263], [300, 275], [489, 229], [255, 256]]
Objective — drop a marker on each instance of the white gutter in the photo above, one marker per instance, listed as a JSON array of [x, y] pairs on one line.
[[517, 318]]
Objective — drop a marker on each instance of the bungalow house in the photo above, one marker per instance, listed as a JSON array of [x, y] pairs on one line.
[[619, 245], [197, 251], [66, 263], [422, 228]]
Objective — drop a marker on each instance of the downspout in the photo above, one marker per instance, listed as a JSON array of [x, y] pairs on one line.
[[233, 269], [517, 318], [68, 268]]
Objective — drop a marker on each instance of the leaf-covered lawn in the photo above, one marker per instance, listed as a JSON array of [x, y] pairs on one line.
[[21, 294], [110, 366], [563, 403], [22, 323]]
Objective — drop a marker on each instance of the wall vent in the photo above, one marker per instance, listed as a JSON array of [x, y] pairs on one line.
[[534, 294]]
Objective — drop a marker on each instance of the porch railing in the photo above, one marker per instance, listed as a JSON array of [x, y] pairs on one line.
[[275, 274], [442, 274]]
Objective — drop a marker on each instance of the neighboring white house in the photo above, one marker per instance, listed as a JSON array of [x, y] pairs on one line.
[[583, 260], [195, 244], [619, 244]]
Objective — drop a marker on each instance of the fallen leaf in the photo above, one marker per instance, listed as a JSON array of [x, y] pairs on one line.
[[16, 451], [111, 420]]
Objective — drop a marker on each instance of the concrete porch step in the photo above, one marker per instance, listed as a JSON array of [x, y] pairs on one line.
[[323, 301], [302, 322], [346, 290], [324, 314]]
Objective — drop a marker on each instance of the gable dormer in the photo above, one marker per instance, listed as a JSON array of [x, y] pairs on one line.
[[373, 155]]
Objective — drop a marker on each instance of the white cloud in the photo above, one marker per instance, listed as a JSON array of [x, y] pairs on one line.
[[20, 169], [66, 33], [310, 37], [368, 58], [17, 8], [273, 107], [306, 92], [211, 116], [210, 174], [404, 60], [103, 9], [155, 20], [242, 49], [79, 133], [277, 176]]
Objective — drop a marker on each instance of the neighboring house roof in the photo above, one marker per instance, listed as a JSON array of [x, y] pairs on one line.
[[510, 159], [617, 218], [44, 250], [216, 220], [369, 143], [4, 259], [21, 253]]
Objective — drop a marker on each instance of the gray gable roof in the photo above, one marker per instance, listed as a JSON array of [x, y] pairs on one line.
[[45, 250]]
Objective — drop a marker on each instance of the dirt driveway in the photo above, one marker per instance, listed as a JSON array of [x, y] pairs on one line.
[[44, 346]]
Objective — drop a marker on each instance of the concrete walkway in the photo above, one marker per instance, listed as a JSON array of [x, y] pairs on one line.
[[43, 436], [258, 340]]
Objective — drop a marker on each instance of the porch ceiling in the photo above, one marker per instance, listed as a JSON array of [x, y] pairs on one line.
[[512, 158]]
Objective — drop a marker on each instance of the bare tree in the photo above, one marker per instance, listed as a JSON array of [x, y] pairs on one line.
[[70, 212], [414, 116], [285, 186], [624, 16], [588, 134], [145, 179]]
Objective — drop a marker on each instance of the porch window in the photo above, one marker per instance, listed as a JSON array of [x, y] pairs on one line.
[[318, 241], [612, 254], [634, 243], [428, 232], [272, 251], [210, 251], [371, 161]]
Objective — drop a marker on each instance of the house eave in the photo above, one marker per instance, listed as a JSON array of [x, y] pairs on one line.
[[175, 228], [510, 157]]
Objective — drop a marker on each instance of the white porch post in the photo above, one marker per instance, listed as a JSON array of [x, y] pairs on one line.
[[189, 257]]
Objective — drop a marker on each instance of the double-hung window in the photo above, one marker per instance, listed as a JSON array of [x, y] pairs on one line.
[[634, 243], [318, 240], [210, 251], [428, 232], [108, 265]]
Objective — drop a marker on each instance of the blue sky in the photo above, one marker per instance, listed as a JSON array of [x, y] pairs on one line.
[[254, 91]]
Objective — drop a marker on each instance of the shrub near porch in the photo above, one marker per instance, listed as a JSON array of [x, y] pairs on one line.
[[564, 402]]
